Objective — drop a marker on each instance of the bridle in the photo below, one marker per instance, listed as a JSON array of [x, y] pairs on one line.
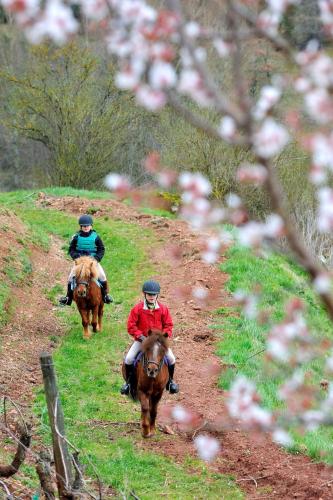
[[146, 361], [84, 283]]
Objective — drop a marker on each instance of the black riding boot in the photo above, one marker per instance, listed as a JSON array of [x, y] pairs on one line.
[[129, 372], [105, 292], [171, 386], [67, 301]]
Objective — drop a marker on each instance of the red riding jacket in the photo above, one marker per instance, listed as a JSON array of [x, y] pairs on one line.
[[141, 320]]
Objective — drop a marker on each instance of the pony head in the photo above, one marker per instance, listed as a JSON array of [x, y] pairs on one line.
[[154, 348], [85, 269]]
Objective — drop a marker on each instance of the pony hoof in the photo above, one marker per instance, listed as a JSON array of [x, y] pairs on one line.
[[147, 435]]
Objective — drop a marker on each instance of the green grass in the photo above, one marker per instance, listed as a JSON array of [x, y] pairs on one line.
[[89, 371], [243, 340]]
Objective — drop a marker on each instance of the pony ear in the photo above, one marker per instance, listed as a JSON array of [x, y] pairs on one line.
[[75, 262], [149, 333], [166, 335]]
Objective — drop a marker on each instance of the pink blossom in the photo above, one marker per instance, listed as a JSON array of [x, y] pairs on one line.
[[180, 414], [254, 174], [162, 75], [302, 85], [191, 83], [280, 6], [321, 70], [326, 14], [251, 234], [269, 96], [116, 182], [166, 178], [270, 139], [319, 105], [127, 79], [222, 48], [57, 23], [151, 99], [242, 404], [322, 150], [274, 226], [195, 182], [207, 447], [94, 9], [209, 256], [317, 175], [24, 10], [269, 21], [325, 210]]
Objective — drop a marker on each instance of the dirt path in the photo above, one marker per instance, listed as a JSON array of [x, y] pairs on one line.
[[261, 469]]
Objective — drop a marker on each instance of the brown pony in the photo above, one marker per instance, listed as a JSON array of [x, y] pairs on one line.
[[151, 377], [88, 295]]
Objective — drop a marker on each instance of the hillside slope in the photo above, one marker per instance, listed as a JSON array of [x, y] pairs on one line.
[[260, 467]]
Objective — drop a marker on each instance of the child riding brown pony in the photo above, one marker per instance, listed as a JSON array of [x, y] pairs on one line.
[[88, 295], [151, 376]]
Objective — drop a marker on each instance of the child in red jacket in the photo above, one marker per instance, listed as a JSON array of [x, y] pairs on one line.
[[146, 315]]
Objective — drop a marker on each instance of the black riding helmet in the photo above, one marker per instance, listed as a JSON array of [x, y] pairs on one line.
[[85, 220], [151, 287]]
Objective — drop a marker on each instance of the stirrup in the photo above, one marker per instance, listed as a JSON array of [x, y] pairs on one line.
[[125, 389]]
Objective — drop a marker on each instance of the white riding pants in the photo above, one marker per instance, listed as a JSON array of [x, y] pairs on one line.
[[136, 347], [101, 273]]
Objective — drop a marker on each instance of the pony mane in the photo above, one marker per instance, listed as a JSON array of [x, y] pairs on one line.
[[85, 268], [155, 336]]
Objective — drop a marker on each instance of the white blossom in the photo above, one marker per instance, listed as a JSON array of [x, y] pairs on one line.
[[207, 447], [57, 23], [116, 182], [227, 128], [233, 201], [180, 414], [270, 139], [269, 96], [162, 75], [319, 105], [151, 99], [325, 210], [255, 174], [222, 48], [322, 283], [200, 293], [280, 436], [192, 29]]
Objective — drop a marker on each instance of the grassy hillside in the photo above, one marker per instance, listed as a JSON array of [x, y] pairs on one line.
[[89, 372], [243, 340]]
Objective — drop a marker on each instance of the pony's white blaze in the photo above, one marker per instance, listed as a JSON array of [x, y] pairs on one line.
[[155, 350]]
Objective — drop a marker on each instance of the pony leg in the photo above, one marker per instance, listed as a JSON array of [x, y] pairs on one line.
[[155, 399], [94, 319], [145, 416], [85, 324], [100, 316]]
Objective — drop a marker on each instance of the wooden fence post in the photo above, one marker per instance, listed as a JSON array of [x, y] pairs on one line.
[[62, 459]]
